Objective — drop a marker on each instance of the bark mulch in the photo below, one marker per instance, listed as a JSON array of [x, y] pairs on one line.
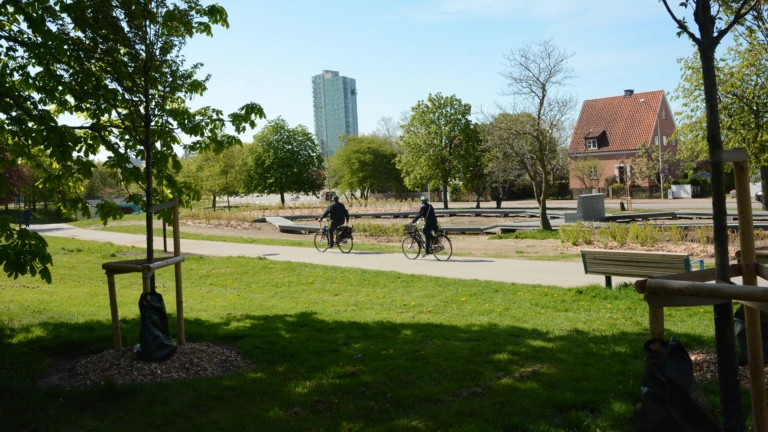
[[192, 360]]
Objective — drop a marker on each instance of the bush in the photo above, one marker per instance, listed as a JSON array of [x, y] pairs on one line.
[[619, 190], [619, 233], [676, 235], [703, 234], [604, 235], [576, 233], [370, 229], [645, 234]]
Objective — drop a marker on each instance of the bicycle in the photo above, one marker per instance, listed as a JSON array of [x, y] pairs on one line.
[[322, 239], [440, 246]]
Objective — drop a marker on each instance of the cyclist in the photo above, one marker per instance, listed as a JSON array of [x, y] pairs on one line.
[[427, 212], [338, 215]]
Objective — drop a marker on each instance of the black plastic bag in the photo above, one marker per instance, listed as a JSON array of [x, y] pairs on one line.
[[740, 328], [155, 344], [671, 400]]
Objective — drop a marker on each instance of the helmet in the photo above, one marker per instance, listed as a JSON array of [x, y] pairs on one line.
[[335, 198], [424, 198]]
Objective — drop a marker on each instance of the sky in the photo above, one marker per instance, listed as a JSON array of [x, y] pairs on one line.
[[400, 51]]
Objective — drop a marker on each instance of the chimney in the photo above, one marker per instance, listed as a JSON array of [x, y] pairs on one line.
[[628, 93]]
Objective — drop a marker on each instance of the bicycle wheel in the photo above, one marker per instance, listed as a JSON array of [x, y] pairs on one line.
[[441, 247], [345, 246], [321, 241], [411, 247]]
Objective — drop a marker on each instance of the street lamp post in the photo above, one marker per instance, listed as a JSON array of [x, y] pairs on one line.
[[661, 166]]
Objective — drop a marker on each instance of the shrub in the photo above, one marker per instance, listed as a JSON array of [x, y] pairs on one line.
[[645, 234], [604, 235], [676, 235], [619, 190], [703, 234], [575, 233], [371, 229], [619, 233]]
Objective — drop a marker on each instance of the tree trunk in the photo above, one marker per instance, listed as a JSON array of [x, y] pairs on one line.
[[445, 196], [477, 203], [282, 198], [730, 396], [543, 218], [228, 206], [213, 202], [764, 185]]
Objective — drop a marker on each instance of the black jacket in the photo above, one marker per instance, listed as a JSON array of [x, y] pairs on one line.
[[338, 213], [428, 213]]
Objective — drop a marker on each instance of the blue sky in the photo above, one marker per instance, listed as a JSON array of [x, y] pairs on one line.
[[399, 51]]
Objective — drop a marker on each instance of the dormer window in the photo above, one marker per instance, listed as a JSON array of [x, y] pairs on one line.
[[591, 143]]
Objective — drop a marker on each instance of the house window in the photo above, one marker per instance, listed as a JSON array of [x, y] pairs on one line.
[[656, 140], [674, 141], [664, 140], [593, 173], [663, 114], [592, 144]]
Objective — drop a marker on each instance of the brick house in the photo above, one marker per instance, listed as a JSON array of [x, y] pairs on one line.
[[611, 130]]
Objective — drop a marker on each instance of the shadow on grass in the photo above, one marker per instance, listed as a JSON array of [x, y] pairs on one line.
[[313, 374]]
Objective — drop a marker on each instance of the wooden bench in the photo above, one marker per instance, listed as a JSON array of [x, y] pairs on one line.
[[635, 264]]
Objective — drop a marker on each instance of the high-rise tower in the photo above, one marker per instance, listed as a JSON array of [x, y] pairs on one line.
[[335, 105]]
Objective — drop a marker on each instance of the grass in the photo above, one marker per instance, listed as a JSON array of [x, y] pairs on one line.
[[39, 216], [527, 235], [96, 222], [386, 351], [140, 230]]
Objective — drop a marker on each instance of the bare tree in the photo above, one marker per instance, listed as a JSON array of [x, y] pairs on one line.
[[536, 74], [389, 129], [714, 20]]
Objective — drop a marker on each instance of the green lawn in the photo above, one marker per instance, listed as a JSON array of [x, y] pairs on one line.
[[140, 229], [527, 235], [386, 351], [96, 222]]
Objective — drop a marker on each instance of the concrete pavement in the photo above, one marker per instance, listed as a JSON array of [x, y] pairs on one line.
[[562, 274]]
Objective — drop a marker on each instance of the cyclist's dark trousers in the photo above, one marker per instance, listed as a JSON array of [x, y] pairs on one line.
[[427, 231], [332, 232]]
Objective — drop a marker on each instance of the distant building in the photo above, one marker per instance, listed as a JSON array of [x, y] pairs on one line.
[[611, 130], [335, 105]]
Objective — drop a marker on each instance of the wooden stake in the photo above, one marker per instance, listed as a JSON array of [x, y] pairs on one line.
[[656, 322], [752, 315], [177, 267], [113, 308]]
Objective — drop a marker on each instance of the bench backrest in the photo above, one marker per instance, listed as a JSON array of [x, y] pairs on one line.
[[634, 264]]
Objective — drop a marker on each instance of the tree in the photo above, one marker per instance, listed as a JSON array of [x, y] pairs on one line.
[[743, 102], [588, 171], [645, 164], [389, 129], [284, 159], [474, 166], [366, 163], [119, 66], [712, 28], [535, 75], [103, 184], [218, 174], [431, 142]]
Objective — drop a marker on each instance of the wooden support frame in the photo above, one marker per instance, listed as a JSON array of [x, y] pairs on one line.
[[147, 270], [687, 289]]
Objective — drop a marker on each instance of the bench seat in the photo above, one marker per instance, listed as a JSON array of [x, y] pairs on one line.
[[634, 264]]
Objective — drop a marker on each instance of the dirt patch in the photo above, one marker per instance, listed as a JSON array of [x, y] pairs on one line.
[[705, 367], [194, 360]]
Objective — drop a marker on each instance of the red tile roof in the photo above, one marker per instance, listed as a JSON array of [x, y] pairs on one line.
[[627, 121]]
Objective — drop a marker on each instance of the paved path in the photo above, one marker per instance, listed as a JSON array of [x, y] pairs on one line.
[[563, 274]]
